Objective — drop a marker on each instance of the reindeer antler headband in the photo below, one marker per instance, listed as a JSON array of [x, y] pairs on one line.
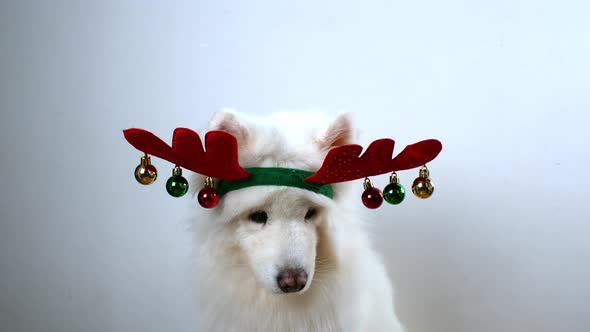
[[219, 159]]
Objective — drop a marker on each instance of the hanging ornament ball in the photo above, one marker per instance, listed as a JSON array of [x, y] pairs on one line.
[[177, 185], [394, 193], [208, 197], [372, 197], [145, 172], [423, 187]]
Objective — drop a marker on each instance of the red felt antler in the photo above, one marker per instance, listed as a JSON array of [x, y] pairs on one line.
[[219, 159], [344, 163]]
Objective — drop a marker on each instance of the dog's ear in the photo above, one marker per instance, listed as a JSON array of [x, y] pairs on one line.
[[340, 132], [228, 121]]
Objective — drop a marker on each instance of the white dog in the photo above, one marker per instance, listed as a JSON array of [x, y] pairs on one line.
[[274, 258]]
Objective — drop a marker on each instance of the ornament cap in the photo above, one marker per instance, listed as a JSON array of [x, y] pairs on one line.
[[393, 178], [145, 160], [367, 184], [209, 182], [424, 173], [176, 171]]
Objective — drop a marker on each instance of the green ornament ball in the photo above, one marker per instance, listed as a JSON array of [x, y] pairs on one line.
[[177, 186], [394, 193]]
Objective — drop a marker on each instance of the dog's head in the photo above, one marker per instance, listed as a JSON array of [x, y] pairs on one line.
[[275, 229]]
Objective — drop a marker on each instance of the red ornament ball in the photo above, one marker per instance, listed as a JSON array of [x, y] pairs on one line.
[[372, 198], [208, 198]]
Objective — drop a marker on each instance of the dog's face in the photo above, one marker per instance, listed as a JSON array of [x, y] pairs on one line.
[[277, 234], [276, 228]]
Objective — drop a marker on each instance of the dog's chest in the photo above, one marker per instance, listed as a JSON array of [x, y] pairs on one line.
[[278, 322], [272, 315]]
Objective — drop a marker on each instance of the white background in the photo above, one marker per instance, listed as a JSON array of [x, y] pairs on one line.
[[501, 246]]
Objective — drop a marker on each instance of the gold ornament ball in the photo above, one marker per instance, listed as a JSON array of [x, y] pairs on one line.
[[146, 174], [423, 187]]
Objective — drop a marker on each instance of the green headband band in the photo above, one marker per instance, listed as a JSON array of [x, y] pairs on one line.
[[275, 176]]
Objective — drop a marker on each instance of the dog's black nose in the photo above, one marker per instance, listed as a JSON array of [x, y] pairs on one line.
[[292, 280]]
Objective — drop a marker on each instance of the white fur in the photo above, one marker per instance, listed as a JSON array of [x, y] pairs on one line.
[[238, 260]]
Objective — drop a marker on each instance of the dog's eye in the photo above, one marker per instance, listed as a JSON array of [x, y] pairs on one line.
[[259, 217], [310, 213]]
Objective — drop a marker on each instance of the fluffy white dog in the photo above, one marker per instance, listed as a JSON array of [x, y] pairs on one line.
[[273, 258]]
